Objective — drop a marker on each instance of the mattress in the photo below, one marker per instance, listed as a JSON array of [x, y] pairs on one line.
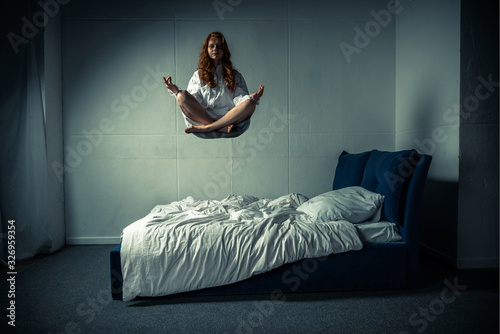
[[207, 243]]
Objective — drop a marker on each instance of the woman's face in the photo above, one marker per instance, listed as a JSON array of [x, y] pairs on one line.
[[214, 50]]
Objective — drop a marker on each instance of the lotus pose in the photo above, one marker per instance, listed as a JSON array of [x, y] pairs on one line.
[[216, 98]]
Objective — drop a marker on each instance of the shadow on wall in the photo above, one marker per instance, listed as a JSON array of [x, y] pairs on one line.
[[439, 220]]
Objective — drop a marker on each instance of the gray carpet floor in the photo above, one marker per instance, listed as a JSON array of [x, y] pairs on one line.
[[69, 292]]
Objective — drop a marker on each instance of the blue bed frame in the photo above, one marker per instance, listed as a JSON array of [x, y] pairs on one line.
[[392, 265]]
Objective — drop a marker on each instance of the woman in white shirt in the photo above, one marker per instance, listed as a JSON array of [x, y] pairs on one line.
[[216, 100]]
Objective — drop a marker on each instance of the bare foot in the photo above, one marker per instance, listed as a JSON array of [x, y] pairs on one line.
[[226, 129], [196, 129], [204, 128]]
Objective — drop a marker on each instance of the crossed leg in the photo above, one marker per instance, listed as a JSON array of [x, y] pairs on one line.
[[194, 110]]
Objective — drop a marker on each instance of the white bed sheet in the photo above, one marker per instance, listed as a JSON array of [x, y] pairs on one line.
[[382, 231], [193, 244]]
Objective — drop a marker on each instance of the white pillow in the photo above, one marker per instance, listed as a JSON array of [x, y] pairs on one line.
[[354, 204]]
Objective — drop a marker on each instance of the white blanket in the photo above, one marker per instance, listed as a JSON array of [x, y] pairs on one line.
[[194, 244]]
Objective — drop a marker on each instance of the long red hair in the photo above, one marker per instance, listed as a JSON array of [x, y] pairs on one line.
[[205, 67]]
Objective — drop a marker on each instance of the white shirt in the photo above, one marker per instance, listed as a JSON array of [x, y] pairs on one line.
[[219, 100]]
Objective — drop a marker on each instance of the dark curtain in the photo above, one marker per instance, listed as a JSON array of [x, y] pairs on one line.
[[24, 194]]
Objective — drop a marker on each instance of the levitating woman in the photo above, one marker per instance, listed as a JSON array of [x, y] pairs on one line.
[[216, 100]]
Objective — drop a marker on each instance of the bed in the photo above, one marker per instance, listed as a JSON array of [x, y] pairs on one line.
[[309, 244]]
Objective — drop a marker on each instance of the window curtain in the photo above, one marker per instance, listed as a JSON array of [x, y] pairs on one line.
[[26, 195]]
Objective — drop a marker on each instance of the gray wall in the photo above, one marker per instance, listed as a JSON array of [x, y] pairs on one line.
[[478, 188], [427, 111], [446, 52], [339, 76], [125, 150], [427, 83]]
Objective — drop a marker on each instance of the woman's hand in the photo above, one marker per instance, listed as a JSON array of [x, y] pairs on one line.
[[258, 95], [171, 87]]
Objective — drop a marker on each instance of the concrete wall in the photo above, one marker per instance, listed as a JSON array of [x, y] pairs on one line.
[[328, 88], [447, 106], [478, 188], [427, 111]]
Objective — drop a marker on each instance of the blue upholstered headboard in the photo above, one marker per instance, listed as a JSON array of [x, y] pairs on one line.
[[396, 175], [399, 176]]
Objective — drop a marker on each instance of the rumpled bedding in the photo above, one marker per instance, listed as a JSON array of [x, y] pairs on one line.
[[194, 244]]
